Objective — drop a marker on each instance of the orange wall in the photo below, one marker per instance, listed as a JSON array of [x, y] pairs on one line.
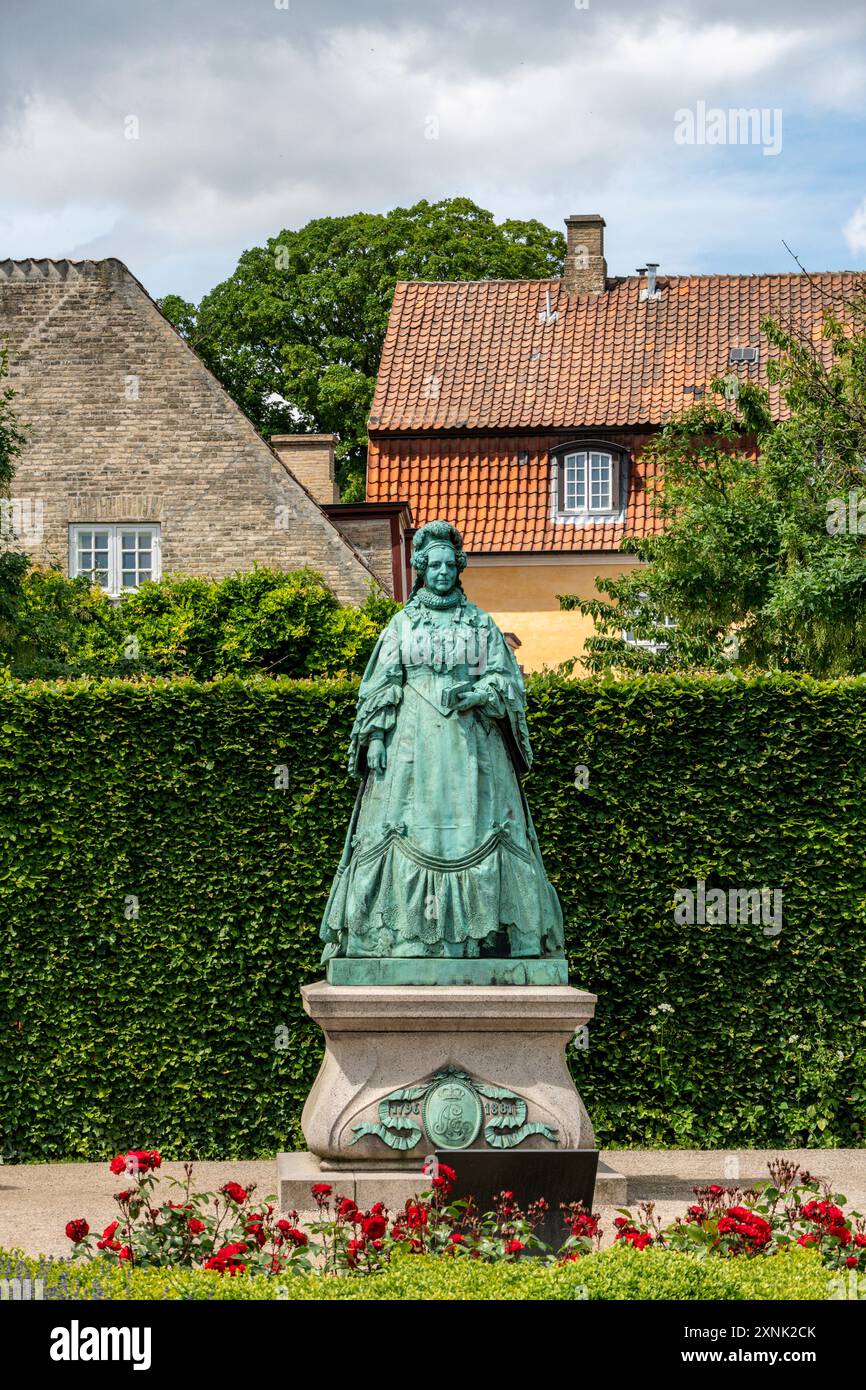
[[522, 598]]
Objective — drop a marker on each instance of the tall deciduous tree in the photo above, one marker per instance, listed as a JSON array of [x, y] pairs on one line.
[[762, 560], [295, 334]]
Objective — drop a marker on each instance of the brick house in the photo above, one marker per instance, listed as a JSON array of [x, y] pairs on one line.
[[519, 410], [137, 463]]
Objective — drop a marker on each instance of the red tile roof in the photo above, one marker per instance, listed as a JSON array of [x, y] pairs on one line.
[[472, 377], [498, 503], [480, 355]]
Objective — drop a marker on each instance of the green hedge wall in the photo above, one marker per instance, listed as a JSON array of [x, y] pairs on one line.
[[160, 893], [619, 1273]]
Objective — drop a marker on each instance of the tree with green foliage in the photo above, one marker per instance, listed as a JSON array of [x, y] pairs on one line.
[[267, 621], [761, 562], [295, 334]]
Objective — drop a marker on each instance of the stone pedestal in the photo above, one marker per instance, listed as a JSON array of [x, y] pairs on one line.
[[297, 1172], [412, 1069], [498, 1053], [409, 1069]]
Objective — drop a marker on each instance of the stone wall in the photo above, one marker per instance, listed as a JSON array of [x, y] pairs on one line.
[[124, 423], [373, 540]]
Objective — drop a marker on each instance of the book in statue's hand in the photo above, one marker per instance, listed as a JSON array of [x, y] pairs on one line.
[[451, 695]]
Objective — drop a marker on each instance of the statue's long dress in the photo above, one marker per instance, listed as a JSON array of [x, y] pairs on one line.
[[441, 858]]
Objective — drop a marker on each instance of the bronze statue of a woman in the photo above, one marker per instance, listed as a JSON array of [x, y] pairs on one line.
[[441, 858]]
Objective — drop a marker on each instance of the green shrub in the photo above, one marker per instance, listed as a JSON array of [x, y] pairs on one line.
[[167, 849], [618, 1274], [283, 623]]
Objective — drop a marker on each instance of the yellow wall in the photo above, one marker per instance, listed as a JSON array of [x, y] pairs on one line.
[[522, 599]]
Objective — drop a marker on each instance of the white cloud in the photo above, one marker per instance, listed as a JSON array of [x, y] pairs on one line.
[[251, 124], [854, 229]]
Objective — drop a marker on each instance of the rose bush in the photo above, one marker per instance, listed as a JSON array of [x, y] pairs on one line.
[[225, 1232], [228, 1233], [793, 1208]]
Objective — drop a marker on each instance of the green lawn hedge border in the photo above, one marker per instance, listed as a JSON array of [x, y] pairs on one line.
[[619, 1273], [166, 849]]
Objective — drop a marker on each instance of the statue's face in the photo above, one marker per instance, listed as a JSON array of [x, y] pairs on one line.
[[441, 574]]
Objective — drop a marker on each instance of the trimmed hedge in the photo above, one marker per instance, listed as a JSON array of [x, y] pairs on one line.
[[615, 1274], [160, 894]]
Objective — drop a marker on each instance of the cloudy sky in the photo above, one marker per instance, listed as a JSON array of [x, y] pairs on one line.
[[176, 133]]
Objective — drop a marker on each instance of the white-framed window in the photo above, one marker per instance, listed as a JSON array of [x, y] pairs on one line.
[[589, 483], [629, 637], [117, 558]]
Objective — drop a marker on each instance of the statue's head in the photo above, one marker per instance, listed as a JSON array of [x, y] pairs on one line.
[[438, 557]]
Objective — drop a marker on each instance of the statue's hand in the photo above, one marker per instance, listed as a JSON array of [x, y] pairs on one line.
[[377, 759], [470, 699]]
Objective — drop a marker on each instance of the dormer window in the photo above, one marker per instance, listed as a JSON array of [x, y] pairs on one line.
[[589, 482]]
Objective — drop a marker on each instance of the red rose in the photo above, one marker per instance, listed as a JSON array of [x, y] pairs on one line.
[[124, 1253], [374, 1227], [108, 1233], [136, 1161], [346, 1209], [235, 1192], [639, 1239], [353, 1250], [584, 1225], [456, 1238], [321, 1189], [860, 1238], [514, 1247], [226, 1261], [416, 1215], [77, 1230], [142, 1160], [851, 1262], [195, 1226], [125, 1196]]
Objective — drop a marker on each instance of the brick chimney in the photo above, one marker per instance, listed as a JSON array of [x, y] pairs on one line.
[[585, 266], [311, 459]]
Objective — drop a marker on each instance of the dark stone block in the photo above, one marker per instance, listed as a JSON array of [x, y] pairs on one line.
[[561, 1175]]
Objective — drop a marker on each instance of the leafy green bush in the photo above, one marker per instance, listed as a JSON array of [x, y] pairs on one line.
[[168, 846], [281, 623], [616, 1274]]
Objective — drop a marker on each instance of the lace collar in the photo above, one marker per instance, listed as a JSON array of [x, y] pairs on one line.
[[427, 597]]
